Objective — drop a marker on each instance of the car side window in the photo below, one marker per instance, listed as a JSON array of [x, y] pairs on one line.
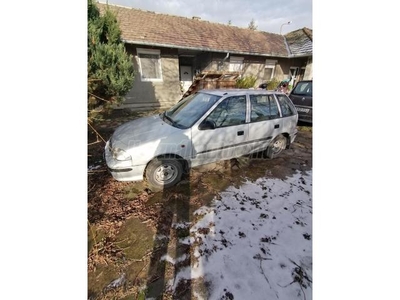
[[231, 111], [263, 107], [287, 107]]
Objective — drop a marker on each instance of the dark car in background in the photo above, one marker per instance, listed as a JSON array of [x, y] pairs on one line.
[[301, 97]]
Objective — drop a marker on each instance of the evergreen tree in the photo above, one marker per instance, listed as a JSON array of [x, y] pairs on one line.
[[252, 25], [110, 68]]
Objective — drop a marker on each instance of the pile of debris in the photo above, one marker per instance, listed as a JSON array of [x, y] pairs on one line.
[[213, 80]]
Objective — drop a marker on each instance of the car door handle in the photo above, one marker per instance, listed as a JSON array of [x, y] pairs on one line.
[[241, 132], [276, 126]]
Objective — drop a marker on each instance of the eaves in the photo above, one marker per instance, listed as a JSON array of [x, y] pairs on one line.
[[203, 49], [300, 55]]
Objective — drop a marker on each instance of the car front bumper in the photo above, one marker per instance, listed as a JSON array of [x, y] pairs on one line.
[[122, 170]]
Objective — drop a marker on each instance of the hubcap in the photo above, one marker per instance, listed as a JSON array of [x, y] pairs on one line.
[[165, 174], [278, 145]]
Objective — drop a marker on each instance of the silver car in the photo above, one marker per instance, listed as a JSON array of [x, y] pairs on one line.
[[205, 127]]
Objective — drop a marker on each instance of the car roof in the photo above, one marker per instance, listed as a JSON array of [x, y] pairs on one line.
[[238, 92]]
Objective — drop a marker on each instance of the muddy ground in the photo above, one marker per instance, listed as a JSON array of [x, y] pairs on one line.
[[124, 218]]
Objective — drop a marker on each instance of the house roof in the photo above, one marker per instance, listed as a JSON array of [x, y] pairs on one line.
[[300, 42], [156, 29]]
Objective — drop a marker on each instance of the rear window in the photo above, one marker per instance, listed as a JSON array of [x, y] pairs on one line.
[[303, 89], [287, 107]]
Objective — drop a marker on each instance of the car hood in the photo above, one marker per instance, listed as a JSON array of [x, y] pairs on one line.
[[141, 131]]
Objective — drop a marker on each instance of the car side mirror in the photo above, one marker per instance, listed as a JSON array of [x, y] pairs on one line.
[[206, 125]]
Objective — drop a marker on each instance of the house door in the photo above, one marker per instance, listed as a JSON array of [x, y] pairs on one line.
[[186, 77]]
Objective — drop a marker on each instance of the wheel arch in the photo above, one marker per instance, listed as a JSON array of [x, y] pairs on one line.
[[287, 136], [185, 163]]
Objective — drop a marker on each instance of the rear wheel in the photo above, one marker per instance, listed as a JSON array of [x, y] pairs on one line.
[[276, 146], [163, 173]]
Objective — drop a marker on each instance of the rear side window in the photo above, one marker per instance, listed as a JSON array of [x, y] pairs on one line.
[[263, 107], [287, 107], [303, 89]]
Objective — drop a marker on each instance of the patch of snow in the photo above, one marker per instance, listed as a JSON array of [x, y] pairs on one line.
[[160, 237], [172, 260], [198, 296], [180, 225], [256, 241], [94, 167]]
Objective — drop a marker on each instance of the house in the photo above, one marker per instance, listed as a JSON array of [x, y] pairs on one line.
[[169, 51], [300, 54]]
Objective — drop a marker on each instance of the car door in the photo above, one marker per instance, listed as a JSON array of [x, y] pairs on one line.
[[222, 134], [265, 121]]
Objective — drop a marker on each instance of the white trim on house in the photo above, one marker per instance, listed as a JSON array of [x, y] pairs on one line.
[[293, 75]]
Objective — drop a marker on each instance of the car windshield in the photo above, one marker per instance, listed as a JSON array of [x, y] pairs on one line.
[[303, 88], [187, 111]]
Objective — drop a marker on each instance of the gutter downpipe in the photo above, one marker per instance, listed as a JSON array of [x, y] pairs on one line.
[[221, 64]]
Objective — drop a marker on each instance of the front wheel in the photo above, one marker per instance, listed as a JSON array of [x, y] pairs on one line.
[[276, 146], [163, 173]]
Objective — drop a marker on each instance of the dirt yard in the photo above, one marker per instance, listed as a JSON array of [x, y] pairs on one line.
[[124, 218]]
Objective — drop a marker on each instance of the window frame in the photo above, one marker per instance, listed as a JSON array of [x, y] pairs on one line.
[[286, 101], [270, 97], [224, 102], [159, 64], [236, 61], [270, 64]]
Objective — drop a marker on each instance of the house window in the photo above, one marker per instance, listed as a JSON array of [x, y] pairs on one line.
[[269, 70], [149, 62], [235, 64]]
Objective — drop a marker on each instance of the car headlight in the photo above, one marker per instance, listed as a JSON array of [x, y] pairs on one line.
[[120, 154]]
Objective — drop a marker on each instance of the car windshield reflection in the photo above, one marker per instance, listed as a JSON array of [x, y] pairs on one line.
[[186, 112]]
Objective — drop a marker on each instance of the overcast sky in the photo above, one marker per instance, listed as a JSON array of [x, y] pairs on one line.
[[268, 15]]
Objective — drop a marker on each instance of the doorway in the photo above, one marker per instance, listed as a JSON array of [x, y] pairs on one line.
[[293, 73], [186, 74]]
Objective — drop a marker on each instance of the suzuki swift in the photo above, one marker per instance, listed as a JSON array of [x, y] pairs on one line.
[[205, 127]]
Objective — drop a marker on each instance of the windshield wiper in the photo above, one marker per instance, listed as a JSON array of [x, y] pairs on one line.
[[165, 116], [170, 120]]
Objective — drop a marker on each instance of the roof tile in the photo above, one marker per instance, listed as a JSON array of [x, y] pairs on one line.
[[300, 41], [145, 27]]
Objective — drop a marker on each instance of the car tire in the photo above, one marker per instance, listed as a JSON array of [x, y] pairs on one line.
[[163, 173], [275, 147]]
